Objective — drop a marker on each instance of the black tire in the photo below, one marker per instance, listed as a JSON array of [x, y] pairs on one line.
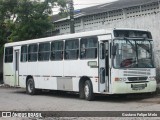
[[81, 93], [88, 90], [30, 87]]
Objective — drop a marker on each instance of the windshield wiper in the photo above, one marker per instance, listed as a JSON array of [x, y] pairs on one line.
[[144, 47], [134, 47]]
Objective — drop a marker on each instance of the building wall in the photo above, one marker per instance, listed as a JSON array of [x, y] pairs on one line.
[[97, 21]]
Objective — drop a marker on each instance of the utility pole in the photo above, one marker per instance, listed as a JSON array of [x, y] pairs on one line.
[[71, 12]]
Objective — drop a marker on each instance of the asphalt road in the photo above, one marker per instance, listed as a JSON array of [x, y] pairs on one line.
[[16, 99]]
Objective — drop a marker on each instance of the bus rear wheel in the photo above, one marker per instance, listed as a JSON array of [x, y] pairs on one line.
[[30, 87], [88, 90]]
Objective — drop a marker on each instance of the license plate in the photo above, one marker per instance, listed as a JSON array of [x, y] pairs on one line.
[[138, 86]]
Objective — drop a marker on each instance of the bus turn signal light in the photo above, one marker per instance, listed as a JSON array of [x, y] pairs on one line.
[[120, 79]]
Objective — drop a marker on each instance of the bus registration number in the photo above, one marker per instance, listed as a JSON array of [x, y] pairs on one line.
[[138, 86]]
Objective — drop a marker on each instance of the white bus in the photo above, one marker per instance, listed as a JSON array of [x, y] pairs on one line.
[[114, 61]]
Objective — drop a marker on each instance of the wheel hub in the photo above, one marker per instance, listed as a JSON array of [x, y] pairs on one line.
[[30, 87], [86, 90]]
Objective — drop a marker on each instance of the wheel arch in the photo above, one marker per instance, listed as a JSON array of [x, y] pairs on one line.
[[28, 77]]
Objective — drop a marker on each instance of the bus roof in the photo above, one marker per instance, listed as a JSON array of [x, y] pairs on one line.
[[67, 36]]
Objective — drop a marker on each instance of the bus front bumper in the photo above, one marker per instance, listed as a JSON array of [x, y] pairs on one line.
[[125, 88]]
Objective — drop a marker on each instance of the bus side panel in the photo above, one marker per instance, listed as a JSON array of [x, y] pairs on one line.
[[75, 82], [32, 70], [95, 85], [23, 73], [48, 72], [46, 83], [9, 74], [50, 68], [22, 81], [79, 68]]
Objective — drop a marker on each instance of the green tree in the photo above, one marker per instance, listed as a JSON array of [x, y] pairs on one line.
[[33, 19], [26, 19], [6, 12]]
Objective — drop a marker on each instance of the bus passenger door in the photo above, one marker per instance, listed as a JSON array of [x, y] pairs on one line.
[[104, 66], [16, 66]]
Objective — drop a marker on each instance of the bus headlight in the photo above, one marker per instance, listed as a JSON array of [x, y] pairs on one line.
[[152, 78], [121, 79]]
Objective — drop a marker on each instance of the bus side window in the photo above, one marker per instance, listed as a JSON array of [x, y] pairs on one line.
[[9, 55], [57, 50], [72, 49], [89, 48], [44, 51], [32, 52], [24, 53]]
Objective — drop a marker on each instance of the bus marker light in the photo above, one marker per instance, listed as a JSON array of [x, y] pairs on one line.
[[116, 79], [152, 78], [120, 79]]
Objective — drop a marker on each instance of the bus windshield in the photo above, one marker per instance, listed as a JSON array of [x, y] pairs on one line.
[[133, 53]]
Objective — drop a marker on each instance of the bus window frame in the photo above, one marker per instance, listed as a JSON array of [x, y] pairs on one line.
[[78, 49], [8, 55], [97, 48], [33, 53], [44, 51], [57, 50], [23, 53]]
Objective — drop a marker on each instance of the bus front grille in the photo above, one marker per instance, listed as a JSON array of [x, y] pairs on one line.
[[137, 78], [137, 72]]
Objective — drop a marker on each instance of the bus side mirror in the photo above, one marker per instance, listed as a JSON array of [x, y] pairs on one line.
[[114, 49]]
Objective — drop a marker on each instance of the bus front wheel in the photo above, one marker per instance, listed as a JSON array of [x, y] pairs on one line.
[[88, 90], [30, 87]]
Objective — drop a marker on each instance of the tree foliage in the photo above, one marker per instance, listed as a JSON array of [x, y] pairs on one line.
[[26, 19]]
